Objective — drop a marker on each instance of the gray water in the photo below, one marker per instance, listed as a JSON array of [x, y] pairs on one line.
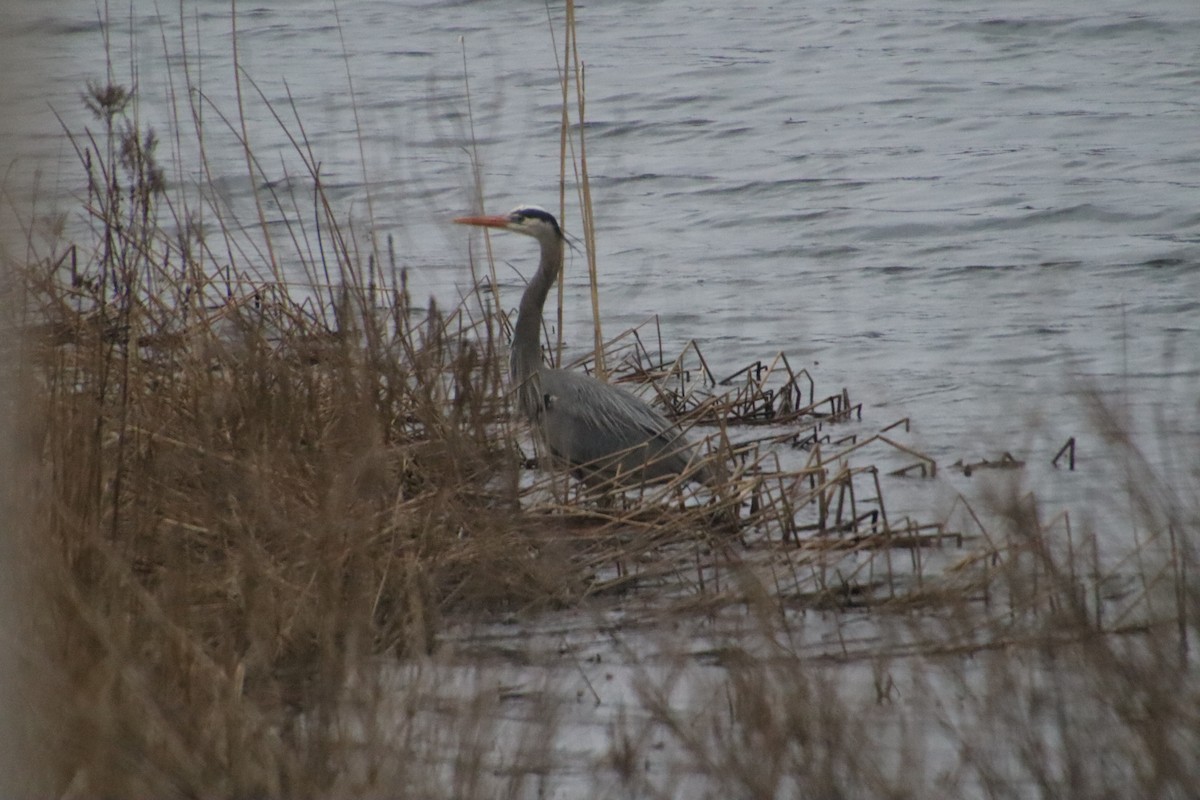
[[961, 212]]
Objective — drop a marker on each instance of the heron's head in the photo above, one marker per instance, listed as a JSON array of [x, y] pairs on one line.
[[529, 220]]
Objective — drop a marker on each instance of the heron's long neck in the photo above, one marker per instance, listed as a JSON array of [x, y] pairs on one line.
[[526, 358]]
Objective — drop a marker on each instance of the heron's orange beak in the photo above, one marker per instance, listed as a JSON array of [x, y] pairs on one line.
[[487, 222]]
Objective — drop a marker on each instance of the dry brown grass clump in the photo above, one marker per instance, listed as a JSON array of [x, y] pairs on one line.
[[237, 490]]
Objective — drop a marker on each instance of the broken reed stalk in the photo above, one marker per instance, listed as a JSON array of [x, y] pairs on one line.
[[588, 214], [570, 67], [564, 142]]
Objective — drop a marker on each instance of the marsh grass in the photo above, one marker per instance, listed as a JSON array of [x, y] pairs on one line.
[[239, 494], [1054, 685], [240, 490]]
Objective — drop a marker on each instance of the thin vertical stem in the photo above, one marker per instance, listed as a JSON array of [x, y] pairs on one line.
[[589, 227], [250, 171], [565, 126]]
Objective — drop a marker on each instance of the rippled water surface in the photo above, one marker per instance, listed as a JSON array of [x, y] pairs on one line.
[[962, 212]]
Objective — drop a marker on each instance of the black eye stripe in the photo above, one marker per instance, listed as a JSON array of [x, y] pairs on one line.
[[532, 212], [542, 215]]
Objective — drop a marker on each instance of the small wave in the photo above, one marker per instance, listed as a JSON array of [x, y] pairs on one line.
[[1164, 262], [1004, 26], [1030, 31], [1060, 265], [600, 129], [1080, 212], [605, 181], [1136, 23], [53, 26], [894, 269], [769, 188], [972, 271]]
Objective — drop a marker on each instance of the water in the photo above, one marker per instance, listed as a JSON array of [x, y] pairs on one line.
[[955, 210], [966, 213]]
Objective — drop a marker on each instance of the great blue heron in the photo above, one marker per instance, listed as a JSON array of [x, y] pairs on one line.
[[600, 430]]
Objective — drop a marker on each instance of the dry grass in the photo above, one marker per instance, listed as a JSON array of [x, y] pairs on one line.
[[239, 499], [1049, 676], [237, 496]]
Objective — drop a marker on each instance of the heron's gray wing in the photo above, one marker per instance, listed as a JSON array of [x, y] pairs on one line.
[[586, 421]]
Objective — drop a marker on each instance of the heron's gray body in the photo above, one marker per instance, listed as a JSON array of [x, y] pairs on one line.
[[605, 431], [598, 429]]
